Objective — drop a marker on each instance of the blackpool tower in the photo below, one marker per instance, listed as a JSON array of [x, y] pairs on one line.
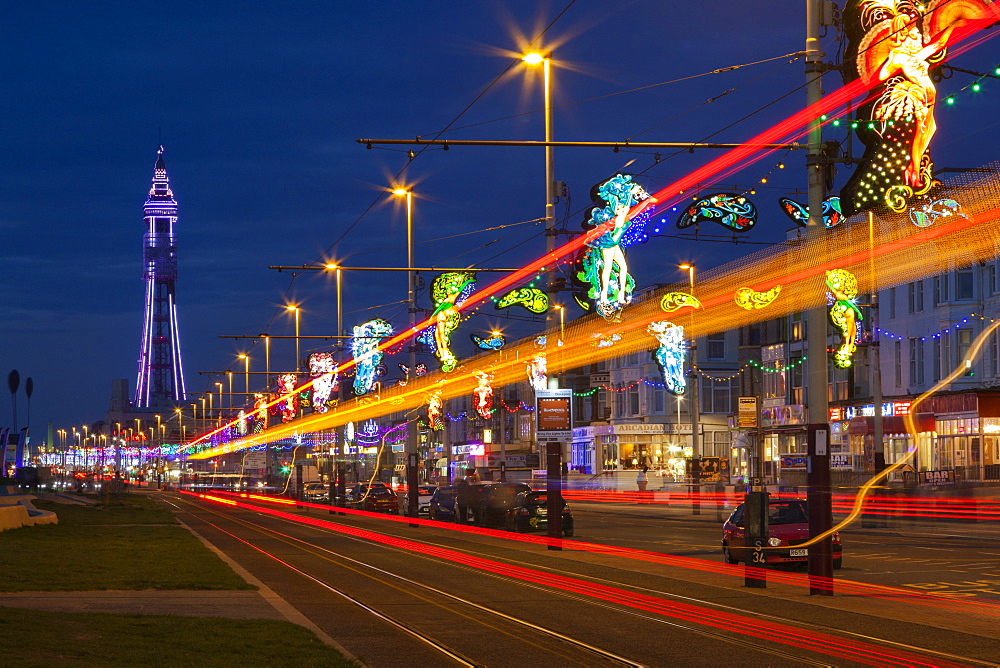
[[161, 375]]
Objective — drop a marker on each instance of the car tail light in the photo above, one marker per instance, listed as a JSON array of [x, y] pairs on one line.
[[836, 537], [524, 512]]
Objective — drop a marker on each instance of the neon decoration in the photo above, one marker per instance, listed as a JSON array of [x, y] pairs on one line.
[[482, 396], [242, 420], [750, 299], [448, 291], [832, 215], [605, 340], [674, 301], [367, 356], [532, 299], [670, 355], [602, 265], [538, 373], [288, 405], [893, 44], [435, 411], [730, 210], [495, 341], [844, 313], [325, 380], [928, 214]]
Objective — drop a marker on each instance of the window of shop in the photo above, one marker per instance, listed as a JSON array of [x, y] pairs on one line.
[[940, 289], [718, 396], [798, 327], [991, 278], [838, 385], [892, 303], [963, 342], [964, 284], [798, 381], [937, 360], [915, 296], [774, 379], [897, 357], [659, 405], [717, 346], [633, 399], [993, 358]]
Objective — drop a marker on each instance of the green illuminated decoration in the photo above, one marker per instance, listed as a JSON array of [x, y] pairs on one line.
[[448, 291], [844, 314], [893, 44], [532, 299]]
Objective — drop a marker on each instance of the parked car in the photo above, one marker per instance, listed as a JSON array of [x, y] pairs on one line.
[[529, 512], [375, 497], [316, 492], [788, 526], [424, 494], [498, 499], [441, 505]]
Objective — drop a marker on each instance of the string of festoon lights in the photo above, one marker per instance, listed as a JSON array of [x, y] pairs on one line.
[[946, 330]]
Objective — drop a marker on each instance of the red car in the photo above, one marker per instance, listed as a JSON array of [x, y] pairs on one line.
[[788, 526], [375, 498]]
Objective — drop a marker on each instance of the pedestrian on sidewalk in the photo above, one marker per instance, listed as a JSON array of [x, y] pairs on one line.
[[642, 479]]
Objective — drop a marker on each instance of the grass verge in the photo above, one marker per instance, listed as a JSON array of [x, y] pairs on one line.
[[39, 638]]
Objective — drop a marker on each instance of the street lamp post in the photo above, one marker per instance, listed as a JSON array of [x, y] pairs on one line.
[[267, 361], [246, 371], [298, 352], [694, 405], [229, 373]]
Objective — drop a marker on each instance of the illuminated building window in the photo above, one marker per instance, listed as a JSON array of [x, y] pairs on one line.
[[798, 328], [798, 381], [916, 362], [963, 342]]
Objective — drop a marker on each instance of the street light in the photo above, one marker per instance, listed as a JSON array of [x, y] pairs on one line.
[[298, 354], [545, 60], [229, 373], [267, 361], [246, 367], [694, 407]]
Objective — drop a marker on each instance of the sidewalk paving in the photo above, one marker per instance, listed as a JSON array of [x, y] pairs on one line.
[[234, 604]]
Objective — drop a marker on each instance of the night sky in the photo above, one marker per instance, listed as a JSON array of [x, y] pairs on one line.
[[258, 106]]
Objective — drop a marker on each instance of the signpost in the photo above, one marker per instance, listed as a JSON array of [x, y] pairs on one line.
[[746, 418], [820, 511]]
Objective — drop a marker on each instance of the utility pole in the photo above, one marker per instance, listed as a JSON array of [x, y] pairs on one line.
[[818, 495]]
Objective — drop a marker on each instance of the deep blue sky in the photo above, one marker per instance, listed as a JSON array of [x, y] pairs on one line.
[[258, 105]]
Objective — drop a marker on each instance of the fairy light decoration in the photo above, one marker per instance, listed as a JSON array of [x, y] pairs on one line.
[[602, 264], [844, 313], [482, 396], [367, 356], [832, 215], [675, 301], [325, 379], [670, 355], [259, 415], [538, 373], [435, 411], [893, 44], [448, 291], [288, 406], [750, 299], [731, 210], [928, 214], [495, 341], [529, 298]]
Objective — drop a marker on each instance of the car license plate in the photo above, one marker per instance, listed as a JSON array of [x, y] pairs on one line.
[[542, 511], [798, 553]]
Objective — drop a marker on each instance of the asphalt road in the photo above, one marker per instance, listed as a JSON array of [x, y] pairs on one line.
[[435, 596]]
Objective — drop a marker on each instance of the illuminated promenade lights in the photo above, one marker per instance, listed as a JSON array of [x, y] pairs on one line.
[[246, 371], [294, 308]]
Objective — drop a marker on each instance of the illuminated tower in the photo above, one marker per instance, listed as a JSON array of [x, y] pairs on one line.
[[161, 376]]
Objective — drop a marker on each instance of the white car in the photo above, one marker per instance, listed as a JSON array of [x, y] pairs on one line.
[[316, 492]]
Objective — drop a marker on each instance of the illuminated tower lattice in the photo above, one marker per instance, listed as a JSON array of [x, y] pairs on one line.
[[161, 375]]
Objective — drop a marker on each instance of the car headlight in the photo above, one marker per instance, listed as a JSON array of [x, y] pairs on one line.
[[774, 542]]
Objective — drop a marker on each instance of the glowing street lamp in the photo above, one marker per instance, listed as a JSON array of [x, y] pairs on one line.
[[246, 368], [694, 407], [294, 308]]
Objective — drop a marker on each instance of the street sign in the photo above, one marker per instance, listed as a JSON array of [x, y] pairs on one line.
[[554, 415], [746, 417]]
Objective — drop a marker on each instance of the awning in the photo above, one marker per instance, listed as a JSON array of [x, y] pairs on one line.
[[891, 424]]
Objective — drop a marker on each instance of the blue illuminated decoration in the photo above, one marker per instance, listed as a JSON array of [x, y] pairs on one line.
[[495, 341], [928, 214], [531, 299], [832, 215], [670, 355], [602, 265], [730, 210], [367, 356], [325, 381], [449, 290], [538, 374]]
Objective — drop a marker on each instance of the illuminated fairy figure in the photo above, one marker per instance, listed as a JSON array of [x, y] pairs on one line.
[[367, 356], [603, 265], [671, 354], [482, 396], [259, 415], [538, 372], [325, 380], [894, 43], [435, 411], [288, 405], [448, 291], [844, 313]]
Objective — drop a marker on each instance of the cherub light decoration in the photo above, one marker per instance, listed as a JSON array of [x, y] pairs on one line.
[[448, 291], [482, 396], [538, 372], [844, 314], [671, 354], [288, 405], [435, 411], [259, 415], [325, 380], [893, 44], [602, 265], [367, 356]]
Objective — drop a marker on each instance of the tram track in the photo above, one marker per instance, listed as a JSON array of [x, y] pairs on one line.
[[744, 643]]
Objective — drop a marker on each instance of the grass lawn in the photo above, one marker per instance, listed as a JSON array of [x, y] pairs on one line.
[[38, 638], [110, 547]]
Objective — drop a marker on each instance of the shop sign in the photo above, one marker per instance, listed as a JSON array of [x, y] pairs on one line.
[[553, 415], [841, 461], [255, 459], [674, 428], [747, 415], [836, 414], [937, 477], [583, 433], [639, 428], [513, 461], [473, 449], [793, 461], [781, 416]]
